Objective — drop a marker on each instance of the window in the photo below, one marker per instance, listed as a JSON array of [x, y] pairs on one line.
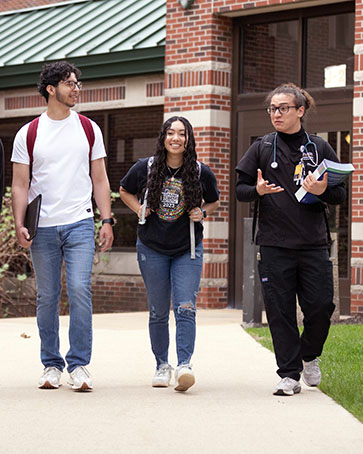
[[312, 52], [130, 134], [269, 55], [329, 44]]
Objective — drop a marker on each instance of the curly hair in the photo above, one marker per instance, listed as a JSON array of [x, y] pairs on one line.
[[189, 172], [53, 73], [301, 96]]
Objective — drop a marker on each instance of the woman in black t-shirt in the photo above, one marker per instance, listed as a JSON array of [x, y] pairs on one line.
[[178, 192]]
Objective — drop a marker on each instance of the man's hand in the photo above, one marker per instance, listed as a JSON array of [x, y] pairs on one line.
[[263, 187], [106, 237], [312, 185], [22, 236]]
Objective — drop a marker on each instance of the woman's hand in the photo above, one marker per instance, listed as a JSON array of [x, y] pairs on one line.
[[139, 212], [196, 214]]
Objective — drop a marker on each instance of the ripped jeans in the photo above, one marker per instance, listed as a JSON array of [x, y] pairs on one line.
[[178, 278]]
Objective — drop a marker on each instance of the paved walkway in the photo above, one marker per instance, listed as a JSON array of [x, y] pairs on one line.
[[230, 410]]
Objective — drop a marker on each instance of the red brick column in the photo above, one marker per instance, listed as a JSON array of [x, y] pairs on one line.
[[357, 191], [198, 86]]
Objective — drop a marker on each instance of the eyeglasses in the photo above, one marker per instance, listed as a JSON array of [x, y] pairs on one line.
[[71, 84], [281, 109]]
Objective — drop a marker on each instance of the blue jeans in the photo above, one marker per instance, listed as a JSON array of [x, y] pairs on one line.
[[73, 243], [179, 278]]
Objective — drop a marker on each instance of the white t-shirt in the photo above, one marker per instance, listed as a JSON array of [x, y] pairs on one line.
[[60, 169]]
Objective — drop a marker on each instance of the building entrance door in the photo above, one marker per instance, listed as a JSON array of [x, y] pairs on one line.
[[333, 121]]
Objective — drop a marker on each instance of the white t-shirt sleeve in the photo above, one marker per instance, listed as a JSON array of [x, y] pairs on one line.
[[20, 151], [98, 150]]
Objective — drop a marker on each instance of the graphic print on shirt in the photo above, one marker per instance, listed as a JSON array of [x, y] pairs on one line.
[[171, 201]]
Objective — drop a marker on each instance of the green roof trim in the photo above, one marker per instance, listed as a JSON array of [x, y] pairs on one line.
[[104, 38], [142, 61]]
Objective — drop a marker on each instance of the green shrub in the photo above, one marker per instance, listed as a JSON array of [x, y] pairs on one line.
[[17, 289], [15, 267]]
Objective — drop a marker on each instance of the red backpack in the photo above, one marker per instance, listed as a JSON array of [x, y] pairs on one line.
[[32, 134]]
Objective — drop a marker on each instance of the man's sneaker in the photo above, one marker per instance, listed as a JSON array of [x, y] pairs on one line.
[[80, 379], [287, 387], [162, 376], [184, 377], [50, 378], [311, 372]]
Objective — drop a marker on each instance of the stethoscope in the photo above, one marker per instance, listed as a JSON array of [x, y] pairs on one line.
[[304, 150]]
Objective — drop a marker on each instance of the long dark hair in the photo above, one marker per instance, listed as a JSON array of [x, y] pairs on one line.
[[189, 172]]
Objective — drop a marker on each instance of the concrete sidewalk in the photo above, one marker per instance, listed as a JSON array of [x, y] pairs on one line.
[[230, 410]]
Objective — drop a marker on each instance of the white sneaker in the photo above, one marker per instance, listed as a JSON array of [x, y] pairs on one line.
[[311, 372], [80, 379], [287, 387], [184, 377], [162, 376], [50, 378]]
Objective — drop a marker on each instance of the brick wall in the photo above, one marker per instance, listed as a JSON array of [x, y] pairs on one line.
[[9, 5], [357, 186], [223, 6], [118, 294], [198, 86]]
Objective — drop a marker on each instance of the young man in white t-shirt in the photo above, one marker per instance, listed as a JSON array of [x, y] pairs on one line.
[[65, 173]]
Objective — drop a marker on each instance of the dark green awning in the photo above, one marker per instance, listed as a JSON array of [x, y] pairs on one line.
[[104, 38]]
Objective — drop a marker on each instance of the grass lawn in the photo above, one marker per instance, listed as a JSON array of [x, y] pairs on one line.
[[341, 364]]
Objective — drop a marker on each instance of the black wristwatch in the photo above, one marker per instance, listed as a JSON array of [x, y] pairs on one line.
[[108, 221], [204, 214]]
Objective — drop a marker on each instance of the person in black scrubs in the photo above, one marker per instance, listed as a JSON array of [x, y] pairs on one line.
[[293, 260]]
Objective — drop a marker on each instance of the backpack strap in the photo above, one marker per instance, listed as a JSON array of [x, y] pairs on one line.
[[326, 216], [150, 162], [90, 134], [30, 138], [199, 165], [142, 220], [32, 134], [191, 223], [264, 153]]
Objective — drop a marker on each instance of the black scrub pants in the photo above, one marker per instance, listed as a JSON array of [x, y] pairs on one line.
[[307, 274]]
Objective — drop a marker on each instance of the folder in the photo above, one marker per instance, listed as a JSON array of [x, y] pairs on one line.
[[32, 216]]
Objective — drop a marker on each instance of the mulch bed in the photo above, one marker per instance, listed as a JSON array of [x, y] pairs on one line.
[[356, 319]]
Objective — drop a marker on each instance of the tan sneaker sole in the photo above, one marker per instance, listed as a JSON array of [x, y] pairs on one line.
[[48, 385], [84, 387], [159, 385], [185, 381]]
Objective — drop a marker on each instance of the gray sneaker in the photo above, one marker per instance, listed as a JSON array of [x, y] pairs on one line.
[[184, 377], [162, 376], [311, 372], [287, 387], [50, 378], [80, 379]]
